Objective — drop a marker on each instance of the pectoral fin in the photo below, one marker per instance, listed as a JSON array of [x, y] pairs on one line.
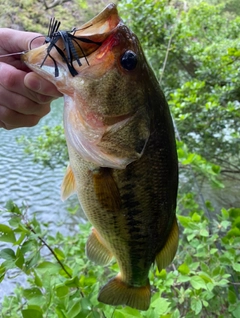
[[96, 250], [167, 253], [68, 185], [106, 189]]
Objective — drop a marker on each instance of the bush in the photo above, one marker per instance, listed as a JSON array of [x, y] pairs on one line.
[[203, 281]]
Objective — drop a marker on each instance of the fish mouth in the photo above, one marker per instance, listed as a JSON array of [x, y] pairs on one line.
[[70, 50]]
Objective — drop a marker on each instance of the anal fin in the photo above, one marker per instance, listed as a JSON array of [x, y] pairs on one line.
[[116, 292], [68, 186], [167, 253], [96, 250]]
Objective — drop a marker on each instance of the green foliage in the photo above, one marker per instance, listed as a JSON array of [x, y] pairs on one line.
[[34, 16], [194, 50], [49, 148], [62, 282]]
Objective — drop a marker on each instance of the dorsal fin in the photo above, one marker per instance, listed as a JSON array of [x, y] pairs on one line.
[[167, 253]]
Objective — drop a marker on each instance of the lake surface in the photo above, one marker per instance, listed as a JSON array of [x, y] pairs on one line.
[[36, 186]]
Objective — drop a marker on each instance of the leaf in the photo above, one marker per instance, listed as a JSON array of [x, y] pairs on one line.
[[14, 221], [60, 312], [72, 282], [127, 312], [118, 314], [232, 297], [28, 246], [234, 212], [19, 259], [32, 311], [161, 306], [34, 296], [184, 220], [75, 309], [62, 291], [48, 267], [196, 217], [20, 239], [59, 253], [197, 282], [9, 257], [7, 254], [7, 234], [32, 292], [37, 279], [12, 207], [184, 269], [86, 303], [183, 278], [196, 305], [67, 269], [233, 232], [33, 260], [204, 232], [176, 314], [236, 267], [236, 312], [222, 283], [205, 277]]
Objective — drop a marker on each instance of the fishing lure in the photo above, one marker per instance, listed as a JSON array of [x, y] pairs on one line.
[[69, 53]]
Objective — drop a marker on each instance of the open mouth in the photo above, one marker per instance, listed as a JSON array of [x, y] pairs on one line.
[[72, 47]]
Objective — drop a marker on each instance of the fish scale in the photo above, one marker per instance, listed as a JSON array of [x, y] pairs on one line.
[[122, 151]]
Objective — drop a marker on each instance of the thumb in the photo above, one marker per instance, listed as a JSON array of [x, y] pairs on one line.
[[12, 41]]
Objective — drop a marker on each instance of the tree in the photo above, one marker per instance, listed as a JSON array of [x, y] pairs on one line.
[[195, 51]]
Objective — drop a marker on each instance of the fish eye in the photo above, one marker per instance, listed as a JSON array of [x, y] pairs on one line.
[[129, 60]]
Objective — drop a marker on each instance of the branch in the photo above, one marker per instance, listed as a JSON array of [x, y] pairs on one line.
[[166, 58], [230, 171], [54, 3], [50, 249]]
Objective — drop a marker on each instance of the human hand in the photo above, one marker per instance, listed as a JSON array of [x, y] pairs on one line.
[[25, 97]]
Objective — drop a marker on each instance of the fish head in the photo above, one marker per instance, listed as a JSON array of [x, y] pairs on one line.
[[107, 84]]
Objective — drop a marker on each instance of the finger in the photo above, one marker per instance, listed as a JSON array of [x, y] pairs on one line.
[[38, 84], [22, 105], [13, 41], [12, 80], [17, 41], [10, 119]]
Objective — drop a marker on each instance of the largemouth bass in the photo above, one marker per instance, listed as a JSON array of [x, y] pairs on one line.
[[121, 144]]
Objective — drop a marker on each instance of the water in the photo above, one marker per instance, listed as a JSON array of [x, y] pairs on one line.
[[21, 180]]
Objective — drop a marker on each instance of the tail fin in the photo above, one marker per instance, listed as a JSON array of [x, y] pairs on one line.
[[116, 292]]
